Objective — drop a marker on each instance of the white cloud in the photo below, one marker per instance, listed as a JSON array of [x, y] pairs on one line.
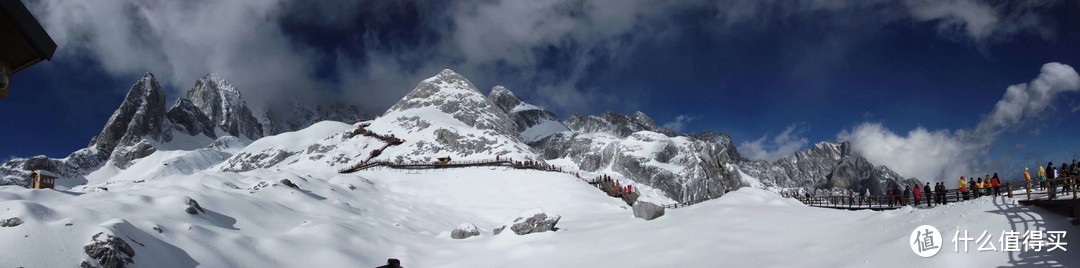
[[679, 123], [181, 41], [786, 144], [945, 155]]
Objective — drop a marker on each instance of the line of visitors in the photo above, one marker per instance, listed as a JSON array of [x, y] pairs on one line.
[[1046, 176]]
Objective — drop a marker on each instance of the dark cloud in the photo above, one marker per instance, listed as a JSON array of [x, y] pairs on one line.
[[372, 52]]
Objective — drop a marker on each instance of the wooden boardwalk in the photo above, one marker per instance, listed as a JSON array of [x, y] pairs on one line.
[[452, 164]]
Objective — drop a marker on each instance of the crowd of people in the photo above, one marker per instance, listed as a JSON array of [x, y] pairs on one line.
[[615, 188], [537, 165], [1045, 179], [1050, 178]]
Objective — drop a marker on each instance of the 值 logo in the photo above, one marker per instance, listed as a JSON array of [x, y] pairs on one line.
[[925, 241]]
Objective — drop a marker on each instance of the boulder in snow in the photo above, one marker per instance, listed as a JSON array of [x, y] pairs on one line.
[[466, 230], [12, 222], [289, 183], [532, 222], [647, 211], [109, 251], [193, 207]]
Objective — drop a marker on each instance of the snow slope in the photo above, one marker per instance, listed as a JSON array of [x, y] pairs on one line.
[[362, 219]]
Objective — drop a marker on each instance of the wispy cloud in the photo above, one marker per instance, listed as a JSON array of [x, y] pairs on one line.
[[680, 122], [785, 144]]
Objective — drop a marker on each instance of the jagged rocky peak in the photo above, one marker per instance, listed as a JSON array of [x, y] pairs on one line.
[[533, 122], [615, 123], [226, 108], [456, 96], [645, 120], [504, 99], [142, 114], [185, 117]]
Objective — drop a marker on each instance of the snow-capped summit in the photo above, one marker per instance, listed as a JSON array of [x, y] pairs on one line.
[[447, 115], [453, 95], [533, 122], [226, 108]]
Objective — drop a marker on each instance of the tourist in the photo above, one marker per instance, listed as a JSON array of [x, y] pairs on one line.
[[995, 184], [929, 195], [962, 187]]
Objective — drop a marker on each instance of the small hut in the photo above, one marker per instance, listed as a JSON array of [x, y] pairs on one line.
[[43, 179], [443, 160]]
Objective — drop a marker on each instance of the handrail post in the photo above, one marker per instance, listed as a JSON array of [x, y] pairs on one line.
[[1073, 186]]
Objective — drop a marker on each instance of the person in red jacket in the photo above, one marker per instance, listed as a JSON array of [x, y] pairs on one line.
[[995, 182], [918, 195], [629, 188]]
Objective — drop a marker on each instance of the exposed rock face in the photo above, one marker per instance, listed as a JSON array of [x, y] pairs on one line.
[[222, 103], [11, 222], [532, 222], [142, 114], [108, 251], [185, 117], [466, 230], [533, 122], [620, 125], [826, 165], [685, 167], [647, 211]]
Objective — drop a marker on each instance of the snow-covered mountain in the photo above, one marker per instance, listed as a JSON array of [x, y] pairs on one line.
[[826, 165], [212, 113], [446, 115], [172, 188]]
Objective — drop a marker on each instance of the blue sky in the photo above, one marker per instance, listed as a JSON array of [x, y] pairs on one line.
[[778, 76]]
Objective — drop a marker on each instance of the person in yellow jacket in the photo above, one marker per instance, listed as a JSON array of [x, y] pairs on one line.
[[1042, 177], [961, 186], [1027, 177]]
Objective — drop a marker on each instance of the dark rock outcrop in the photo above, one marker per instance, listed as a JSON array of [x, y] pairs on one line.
[[289, 183], [11, 222], [193, 207], [222, 103], [534, 222], [108, 251], [187, 118]]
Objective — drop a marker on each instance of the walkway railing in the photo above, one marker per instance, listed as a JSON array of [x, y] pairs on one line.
[[1063, 188]]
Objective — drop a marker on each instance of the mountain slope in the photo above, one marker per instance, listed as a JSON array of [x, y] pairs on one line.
[[533, 122]]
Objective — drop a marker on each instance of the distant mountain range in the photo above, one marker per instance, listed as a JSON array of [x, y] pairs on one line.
[[446, 115]]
